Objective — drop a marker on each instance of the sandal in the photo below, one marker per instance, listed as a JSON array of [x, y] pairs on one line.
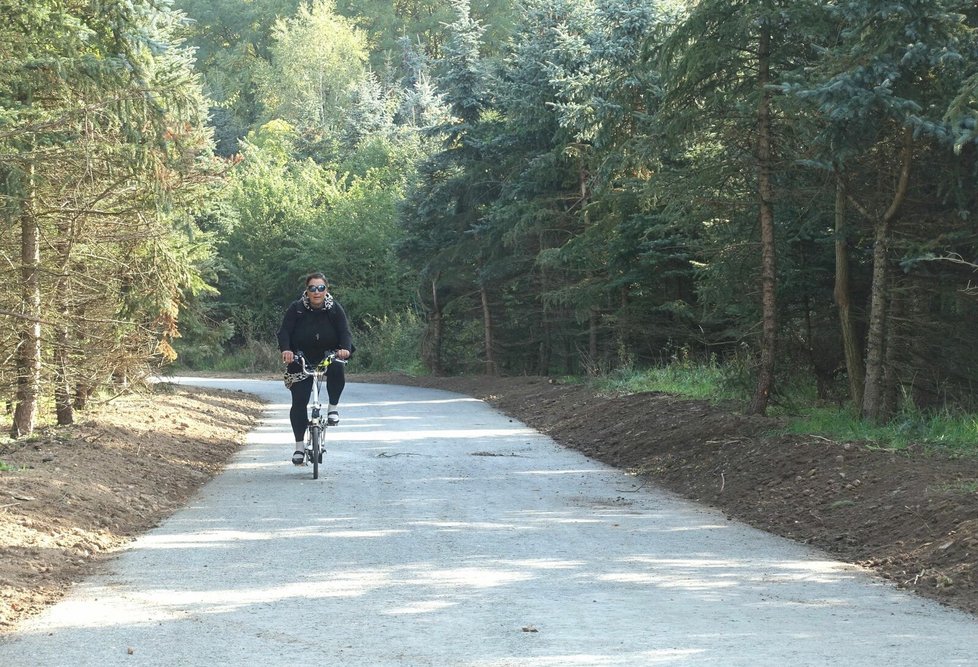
[[298, 457], [332, 418]]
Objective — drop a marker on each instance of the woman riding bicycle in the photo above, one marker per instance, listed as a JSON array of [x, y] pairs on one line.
[[315, 325]]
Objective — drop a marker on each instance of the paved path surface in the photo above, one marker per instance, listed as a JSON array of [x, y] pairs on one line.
[[445, 534]]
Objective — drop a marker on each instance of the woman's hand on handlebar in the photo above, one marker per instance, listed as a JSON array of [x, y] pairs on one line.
[[287, 356], [342, 355]]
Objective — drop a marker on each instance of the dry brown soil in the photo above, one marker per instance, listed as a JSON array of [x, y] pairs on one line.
[[71, 497]]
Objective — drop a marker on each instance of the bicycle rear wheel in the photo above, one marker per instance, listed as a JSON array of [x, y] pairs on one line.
[[315, 439]]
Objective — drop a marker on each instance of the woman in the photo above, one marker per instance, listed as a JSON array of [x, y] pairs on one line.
[[314, 325]]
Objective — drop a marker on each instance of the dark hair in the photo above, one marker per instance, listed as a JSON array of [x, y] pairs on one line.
[[314, 275]]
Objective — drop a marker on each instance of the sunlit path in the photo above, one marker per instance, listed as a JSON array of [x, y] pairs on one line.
[[445, 534]]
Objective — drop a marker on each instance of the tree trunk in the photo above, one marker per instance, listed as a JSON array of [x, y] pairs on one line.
[[872, 394], [592, 364], [84, 383], [895, 351], [83, 392], [62, 388], [876, 340], [490, 368], [769, 314], [432, 352], [545, 354], [850, 342], [29, 347], [64, 410], [592, 341], [621, 326]]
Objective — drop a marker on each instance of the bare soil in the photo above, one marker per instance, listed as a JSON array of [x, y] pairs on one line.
[[71, 497]]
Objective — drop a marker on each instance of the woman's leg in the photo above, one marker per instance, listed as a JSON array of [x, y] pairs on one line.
[[335, 381], [298, 414]]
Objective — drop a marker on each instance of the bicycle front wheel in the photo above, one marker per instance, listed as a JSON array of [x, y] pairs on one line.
[[316, 440]]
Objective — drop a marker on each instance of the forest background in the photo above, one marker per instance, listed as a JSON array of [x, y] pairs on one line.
[[779, 194]]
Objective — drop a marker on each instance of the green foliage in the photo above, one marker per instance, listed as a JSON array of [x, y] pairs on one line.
[[424, 21], [250, 357], [581, 184], [273, 200], [682, 377], [463, 351], [253, 357], [885, 70], [463, 75], [317, 60], [203, 336], [232, 41], [103, 138], [944, 429], [391, 343], [282, 217], [904, 63]]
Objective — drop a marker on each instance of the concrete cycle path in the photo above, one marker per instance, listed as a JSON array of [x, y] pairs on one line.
[[445, 534]]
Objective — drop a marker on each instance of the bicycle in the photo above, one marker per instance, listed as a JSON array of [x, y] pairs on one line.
[[317, 422]]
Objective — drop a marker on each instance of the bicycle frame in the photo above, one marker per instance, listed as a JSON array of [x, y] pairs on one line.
[[317, 421]]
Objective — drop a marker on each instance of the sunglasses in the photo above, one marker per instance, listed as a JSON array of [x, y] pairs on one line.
[[316, 288]]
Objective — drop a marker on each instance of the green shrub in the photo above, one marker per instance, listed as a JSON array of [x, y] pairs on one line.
[[944, 429], [682, 377], [252, 357], [390, 344]]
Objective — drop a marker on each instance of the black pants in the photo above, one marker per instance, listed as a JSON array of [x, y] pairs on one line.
[[301, 391]]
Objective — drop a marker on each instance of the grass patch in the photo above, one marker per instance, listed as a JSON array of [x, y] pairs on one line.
[[683, 377], [950, 431], [841, 503], [255, 356], [964, 486], [945, 430]]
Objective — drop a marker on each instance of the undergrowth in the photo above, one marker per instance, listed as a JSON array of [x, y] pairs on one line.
[[682, 377], [384, 344], [796, 404], [945, 429], [391, 344]]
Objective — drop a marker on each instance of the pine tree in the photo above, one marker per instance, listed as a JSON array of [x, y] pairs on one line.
[[104, 125], [882, 91], [722, 64]]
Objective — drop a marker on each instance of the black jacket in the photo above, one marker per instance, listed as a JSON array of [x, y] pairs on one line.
[[314, 332]]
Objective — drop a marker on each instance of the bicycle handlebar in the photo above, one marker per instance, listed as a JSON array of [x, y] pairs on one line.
[[330, 358]]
